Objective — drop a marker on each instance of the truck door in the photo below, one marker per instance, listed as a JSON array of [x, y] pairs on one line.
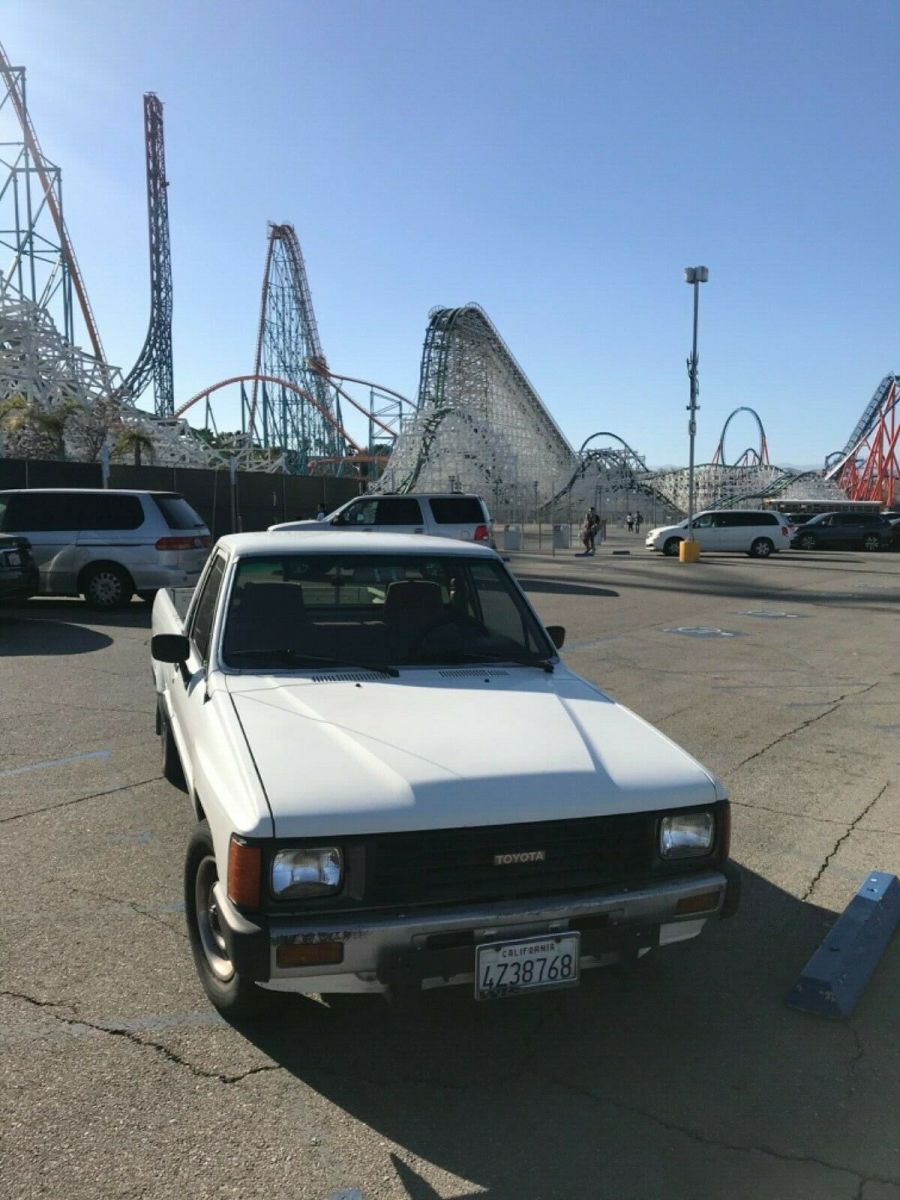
[[187, 683]]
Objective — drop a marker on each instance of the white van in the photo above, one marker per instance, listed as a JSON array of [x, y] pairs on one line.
[[452, 515], [744, 530], [108, 544]]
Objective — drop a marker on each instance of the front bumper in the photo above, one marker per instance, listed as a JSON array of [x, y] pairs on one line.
[[434, 947]]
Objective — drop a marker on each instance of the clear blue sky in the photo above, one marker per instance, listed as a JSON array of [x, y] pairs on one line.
[[559, 163]]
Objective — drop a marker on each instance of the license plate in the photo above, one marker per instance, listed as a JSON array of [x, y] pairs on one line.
[[528, 965]]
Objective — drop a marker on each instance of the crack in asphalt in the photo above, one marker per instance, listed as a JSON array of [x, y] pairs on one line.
[[132, 904], [780, 812], [128, 1035], [704, 1140], [33, 812], [837, 845], [835, 705]]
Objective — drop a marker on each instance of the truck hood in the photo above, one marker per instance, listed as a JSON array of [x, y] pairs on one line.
[[440, 749]]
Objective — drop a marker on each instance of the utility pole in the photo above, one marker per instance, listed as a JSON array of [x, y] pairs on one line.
[[689, 551]]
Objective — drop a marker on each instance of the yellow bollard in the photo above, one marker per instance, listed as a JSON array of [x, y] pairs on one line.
[[689, 551]]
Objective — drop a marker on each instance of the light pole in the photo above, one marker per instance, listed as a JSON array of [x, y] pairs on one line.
[[694, 276]]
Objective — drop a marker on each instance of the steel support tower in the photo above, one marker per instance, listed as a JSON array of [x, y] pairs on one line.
[[41, 269], [302, 421], [154, 363]]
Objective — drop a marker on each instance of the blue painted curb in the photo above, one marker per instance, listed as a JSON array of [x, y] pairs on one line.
[[834, 978]]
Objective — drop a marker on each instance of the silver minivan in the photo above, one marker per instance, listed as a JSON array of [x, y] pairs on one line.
[[107, 544]]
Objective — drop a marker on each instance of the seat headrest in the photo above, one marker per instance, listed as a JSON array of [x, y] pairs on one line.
[[411, 599]]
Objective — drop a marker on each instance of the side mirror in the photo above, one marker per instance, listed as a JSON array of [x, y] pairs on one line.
[[557, 635], [170, 647]]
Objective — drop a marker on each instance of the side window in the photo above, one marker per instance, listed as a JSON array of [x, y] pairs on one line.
[[38, 512], [765, 518], [99, 512], [456, 510], [726, 520], [361, 513], [399, 511], [704, 522], [202, 620]]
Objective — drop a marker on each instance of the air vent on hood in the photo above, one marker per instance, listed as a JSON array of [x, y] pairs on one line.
[[350, 677], [471, 673]]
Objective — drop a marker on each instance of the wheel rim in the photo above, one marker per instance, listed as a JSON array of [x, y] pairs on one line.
[[763, 549], [209, 926], [106, 588], [807, 543], [870, 543]]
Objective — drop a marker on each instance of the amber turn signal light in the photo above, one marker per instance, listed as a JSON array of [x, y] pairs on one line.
[[705, 902], [244, 873], [311, 954]]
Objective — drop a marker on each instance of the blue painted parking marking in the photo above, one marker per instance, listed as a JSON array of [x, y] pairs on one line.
[[703, 631], [771, 614], [834, 978], [57, 762]]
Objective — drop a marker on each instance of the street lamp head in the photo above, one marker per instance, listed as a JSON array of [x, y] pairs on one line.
[[696, 274]]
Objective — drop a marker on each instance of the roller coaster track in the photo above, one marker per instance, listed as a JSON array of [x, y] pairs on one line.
[[14, 78], [480, 424], [155, 359]]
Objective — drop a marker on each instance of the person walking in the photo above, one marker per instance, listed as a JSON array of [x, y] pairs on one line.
[[589, 527], [629, 522], [638, 522]]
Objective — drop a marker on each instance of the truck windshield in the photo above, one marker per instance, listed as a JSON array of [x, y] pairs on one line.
[[295, 611]]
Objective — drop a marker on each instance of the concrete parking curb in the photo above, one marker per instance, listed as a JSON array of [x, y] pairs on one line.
[[834, 978]]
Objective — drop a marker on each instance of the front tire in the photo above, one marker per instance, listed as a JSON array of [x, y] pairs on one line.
[[107, 586], [234, 996], [670, 546], [871, 542], [761, 548], [807, 542]]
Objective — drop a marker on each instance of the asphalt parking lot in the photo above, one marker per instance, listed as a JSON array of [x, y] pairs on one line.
[[683, 1077]]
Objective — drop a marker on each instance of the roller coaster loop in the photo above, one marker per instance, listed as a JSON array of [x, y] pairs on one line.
[[761, 459], [286, 383]]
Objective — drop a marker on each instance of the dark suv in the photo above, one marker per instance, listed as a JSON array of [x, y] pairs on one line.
[[843, 531], [18, 570]]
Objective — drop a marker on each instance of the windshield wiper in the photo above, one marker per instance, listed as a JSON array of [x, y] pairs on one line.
[[496, 657], [297, 658]]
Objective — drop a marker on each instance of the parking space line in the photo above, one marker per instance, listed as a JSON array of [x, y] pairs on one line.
[[57, 762]]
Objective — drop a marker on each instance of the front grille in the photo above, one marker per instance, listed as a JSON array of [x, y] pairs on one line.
[[457, 865]]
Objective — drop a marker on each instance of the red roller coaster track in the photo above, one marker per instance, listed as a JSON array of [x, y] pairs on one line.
[[870, 468]]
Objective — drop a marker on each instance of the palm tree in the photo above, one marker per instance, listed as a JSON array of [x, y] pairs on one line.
[[136, 442]]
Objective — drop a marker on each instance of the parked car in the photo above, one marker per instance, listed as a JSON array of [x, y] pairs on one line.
[[18, 571], [750, 531], [398, 784], [452, 516], [107, 544], [843, 531]]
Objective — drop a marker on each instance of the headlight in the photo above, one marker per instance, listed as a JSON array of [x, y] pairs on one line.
[[686, 835], [312, 871]]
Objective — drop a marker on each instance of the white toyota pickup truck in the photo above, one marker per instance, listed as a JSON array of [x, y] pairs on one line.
[[399, 784]]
